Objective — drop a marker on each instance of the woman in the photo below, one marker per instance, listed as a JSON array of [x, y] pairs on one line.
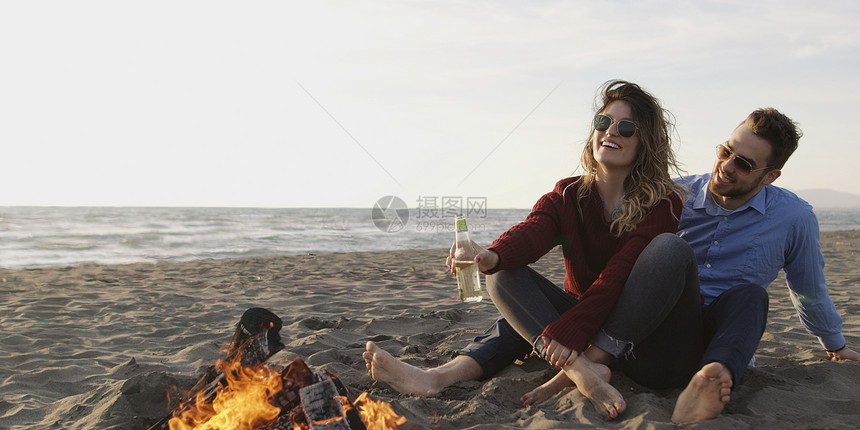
[[603, 219]]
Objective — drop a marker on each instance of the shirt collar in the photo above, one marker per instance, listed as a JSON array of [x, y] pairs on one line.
[[702, 200]]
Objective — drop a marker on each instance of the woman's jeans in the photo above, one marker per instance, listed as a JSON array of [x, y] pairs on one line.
[[655, 330]]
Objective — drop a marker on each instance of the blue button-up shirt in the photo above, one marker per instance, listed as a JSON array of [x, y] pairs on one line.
[[749, 245]]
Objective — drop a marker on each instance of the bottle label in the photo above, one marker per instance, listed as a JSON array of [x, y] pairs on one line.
[[460, 225]]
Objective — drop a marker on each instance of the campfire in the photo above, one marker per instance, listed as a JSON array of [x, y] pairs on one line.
[[244, 392]]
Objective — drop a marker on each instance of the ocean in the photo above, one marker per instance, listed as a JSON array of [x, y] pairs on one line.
[[33, 237]]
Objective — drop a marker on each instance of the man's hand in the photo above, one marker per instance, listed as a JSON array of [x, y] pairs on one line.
[[844, 354], [557, 354]]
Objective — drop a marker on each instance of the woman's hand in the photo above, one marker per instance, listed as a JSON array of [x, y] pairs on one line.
[[557, 354], [486, 259]]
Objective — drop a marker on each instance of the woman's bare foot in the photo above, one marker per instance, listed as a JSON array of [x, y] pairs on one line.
[[592, 380], [401, 376], [705, 395], [547, 390]]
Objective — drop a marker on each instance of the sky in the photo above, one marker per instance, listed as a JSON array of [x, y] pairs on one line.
[[340, 103]]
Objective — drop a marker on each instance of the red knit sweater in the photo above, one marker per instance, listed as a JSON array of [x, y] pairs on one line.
[[596, 262]]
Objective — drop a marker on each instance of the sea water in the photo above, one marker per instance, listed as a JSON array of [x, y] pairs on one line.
[[67, 236], [63, 236]]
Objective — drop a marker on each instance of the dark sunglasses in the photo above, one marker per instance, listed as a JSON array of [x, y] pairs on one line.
[[724, 153], [625, 128]]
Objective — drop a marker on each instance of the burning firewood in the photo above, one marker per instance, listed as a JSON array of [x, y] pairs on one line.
[[323, 408], [313, 401], [244, 392], [255, 340]]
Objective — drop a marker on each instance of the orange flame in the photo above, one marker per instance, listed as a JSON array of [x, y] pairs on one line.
[[245, 404], [242, 405], [377, 414]]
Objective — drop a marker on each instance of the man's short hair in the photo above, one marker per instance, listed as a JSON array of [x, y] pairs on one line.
[[779, 130]]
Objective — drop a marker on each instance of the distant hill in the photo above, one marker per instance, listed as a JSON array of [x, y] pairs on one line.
[[821, 198]]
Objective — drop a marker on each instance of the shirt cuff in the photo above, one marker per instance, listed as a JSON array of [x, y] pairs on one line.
[[832, 342]]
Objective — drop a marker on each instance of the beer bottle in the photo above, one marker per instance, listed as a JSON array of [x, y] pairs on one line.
[[468, 275]]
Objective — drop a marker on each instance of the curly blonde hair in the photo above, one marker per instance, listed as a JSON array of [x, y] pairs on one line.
[[649, 180]]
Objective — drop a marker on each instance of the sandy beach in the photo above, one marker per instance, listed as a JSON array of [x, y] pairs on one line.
[[100, 347]]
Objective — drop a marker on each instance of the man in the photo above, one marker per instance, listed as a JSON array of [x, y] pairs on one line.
[[743, 230]]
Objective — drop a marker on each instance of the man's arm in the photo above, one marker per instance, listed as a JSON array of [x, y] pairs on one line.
[[804, 273]]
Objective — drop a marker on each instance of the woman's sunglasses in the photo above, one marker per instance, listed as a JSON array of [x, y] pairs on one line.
[[625, 128], [724, 153]]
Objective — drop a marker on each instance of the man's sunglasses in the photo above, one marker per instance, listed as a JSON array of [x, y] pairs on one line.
[[724, 153], [625, 128]]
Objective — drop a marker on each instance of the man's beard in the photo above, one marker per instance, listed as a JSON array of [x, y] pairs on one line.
[[735, 191]]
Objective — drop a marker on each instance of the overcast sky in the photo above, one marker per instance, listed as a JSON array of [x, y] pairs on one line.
[[338, 103]]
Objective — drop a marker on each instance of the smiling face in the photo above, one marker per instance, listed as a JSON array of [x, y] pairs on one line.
[[611, 150], [731, 187]]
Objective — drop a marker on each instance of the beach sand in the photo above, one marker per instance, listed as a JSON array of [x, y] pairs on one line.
[[100, 347]]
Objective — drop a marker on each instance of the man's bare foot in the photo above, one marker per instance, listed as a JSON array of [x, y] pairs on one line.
[[705, 395], [401, 376], [547, 389], [592, 380]]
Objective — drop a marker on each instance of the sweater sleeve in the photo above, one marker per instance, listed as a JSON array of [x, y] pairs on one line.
[[529, 240], [579, 324]]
